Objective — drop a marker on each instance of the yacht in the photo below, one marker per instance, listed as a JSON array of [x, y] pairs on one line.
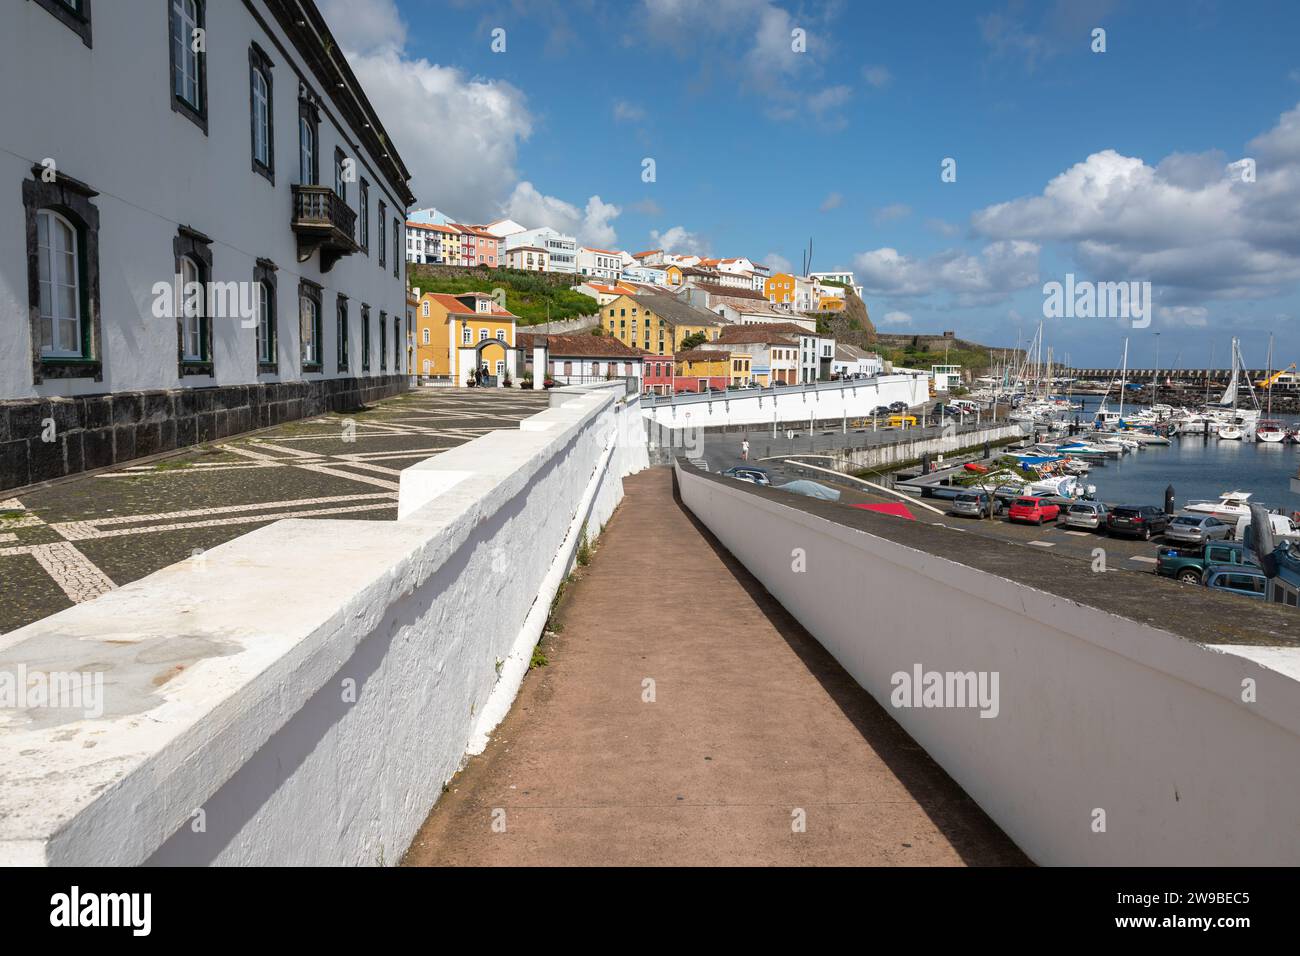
[[1230, 432], [1231, 504], [1270, 430]]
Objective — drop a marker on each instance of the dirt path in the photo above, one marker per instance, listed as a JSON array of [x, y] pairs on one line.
[[752, 727]]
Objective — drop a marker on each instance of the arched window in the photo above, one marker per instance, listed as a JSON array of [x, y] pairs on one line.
[[466, 336], [261, 118], [265, 326], [187, 62], [194, 310], [59, 256], [426, 336], [425, 309], [306, 152]]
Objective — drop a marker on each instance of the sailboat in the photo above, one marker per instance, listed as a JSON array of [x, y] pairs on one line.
[[1270, 429], [1242, 424]]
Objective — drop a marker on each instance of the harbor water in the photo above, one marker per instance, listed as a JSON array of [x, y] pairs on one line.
[[1199, 467]]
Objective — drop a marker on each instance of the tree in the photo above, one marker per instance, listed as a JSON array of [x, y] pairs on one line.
[[693, 341]]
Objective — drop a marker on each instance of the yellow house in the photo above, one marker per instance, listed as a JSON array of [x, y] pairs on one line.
[[451, 246], [656, 322], [698, 370], [456, 333], [779, 289], [831, 303], [673, 273]]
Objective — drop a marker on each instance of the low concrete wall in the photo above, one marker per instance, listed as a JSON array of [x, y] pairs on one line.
[[1099, 719], [822, 401], [939, 442], [46, 438], [301, 693]]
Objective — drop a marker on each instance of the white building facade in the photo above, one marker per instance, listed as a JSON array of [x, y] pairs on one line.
[[255, 170], [599, 263], [561, 250]]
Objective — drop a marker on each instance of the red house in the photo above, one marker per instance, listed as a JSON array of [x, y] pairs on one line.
[[658, 374]]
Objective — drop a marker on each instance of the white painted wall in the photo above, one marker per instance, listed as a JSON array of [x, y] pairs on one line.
[[827, 400], [1096, 711], [104, 115], [237, 708]]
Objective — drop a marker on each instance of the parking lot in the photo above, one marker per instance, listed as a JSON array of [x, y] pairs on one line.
[[1095, 547]]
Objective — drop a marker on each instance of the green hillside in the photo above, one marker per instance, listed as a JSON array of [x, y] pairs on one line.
[[533, 296]]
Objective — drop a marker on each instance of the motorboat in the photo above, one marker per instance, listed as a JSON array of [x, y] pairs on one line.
[[1230, 432], [1144, 438], [1231, 504]]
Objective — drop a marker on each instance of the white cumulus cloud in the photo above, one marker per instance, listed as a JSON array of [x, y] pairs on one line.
[[1195, 225], [592, 225], [679, 241], [999, 269]]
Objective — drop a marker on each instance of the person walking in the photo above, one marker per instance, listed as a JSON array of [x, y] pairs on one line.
[[744, 449]]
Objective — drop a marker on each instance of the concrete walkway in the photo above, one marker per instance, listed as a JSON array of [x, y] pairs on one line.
[[752, 727]]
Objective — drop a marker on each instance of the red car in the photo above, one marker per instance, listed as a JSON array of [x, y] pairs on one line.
[[1033, 510]]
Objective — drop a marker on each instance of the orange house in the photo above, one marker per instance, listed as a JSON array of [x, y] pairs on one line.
[[779, 289]]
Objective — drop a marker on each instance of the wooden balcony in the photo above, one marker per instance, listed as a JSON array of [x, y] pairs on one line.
[[322, 220]]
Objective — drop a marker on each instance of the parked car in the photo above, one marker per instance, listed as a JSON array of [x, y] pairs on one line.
[[898, 406], [1197, 529], [976, 504], [879, 410], [755, 476], [1090, 515], [1142, 521], [1033, 510], [1243, 580], [1189, 567]]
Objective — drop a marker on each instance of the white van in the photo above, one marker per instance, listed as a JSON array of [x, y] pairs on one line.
[[1283, 527]]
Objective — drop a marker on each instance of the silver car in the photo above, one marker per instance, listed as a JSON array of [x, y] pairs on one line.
[[975, 504], [1197, 529], [1088, 515]]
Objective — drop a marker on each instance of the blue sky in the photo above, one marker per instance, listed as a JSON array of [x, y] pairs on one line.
[[1112, 166]]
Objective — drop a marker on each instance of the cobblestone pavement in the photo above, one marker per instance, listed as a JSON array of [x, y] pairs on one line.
[[74, 540]]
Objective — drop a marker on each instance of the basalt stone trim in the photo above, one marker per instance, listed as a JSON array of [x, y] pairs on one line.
[[99, 431]]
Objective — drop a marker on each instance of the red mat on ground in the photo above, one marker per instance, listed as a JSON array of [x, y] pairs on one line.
[[898, 510]]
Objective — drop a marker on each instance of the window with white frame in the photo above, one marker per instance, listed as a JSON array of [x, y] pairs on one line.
[[59, 256], [188, 84], [193, 317], [260, 110], [265, 324]]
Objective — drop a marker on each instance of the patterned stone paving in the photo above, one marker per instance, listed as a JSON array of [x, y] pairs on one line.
[[75, 540]]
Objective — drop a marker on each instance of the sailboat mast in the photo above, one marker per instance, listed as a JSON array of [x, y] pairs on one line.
[[1269, 375], [1123, 380]]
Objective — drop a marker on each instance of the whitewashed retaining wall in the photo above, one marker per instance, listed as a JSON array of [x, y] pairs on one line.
[[305, 690], [1096, 711], [824, 400]]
